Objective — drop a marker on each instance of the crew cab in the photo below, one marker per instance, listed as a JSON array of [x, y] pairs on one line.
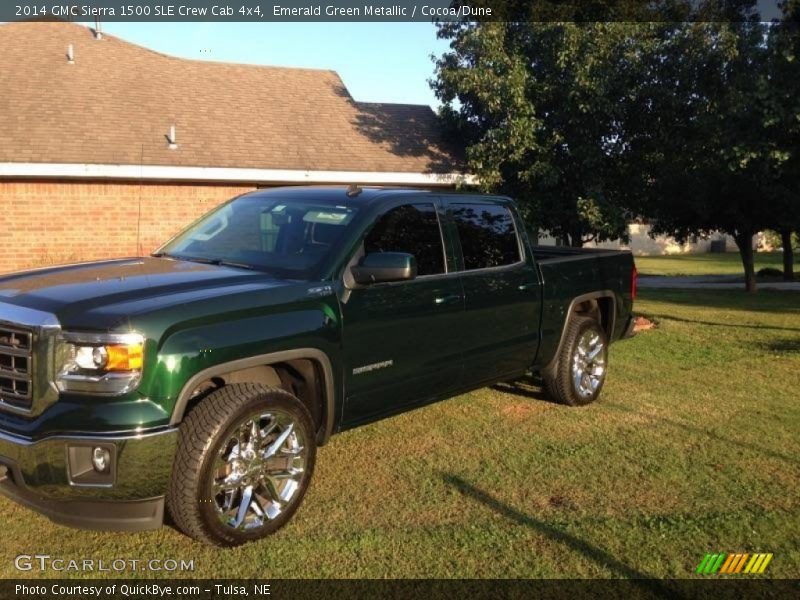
[[201, 380]]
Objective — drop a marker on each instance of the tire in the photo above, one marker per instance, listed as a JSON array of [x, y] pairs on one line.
[[221, 456], [566, 379]]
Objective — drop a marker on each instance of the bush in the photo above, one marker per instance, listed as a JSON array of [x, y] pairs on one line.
[[769, 272]]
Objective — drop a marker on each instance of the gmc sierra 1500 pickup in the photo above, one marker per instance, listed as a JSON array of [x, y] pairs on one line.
[[201, 379]]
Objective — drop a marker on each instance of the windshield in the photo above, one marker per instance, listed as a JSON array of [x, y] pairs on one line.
[[288, 238]]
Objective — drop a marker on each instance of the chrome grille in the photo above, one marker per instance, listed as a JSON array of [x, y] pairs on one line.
[[16, 362]]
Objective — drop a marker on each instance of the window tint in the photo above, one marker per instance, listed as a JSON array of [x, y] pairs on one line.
[[487, 234], [412, 228]]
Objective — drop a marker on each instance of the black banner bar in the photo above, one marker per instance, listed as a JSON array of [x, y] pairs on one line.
[[282, 589], [390, 10]]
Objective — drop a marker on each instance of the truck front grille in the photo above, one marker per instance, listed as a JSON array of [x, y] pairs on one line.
[[16, 360]]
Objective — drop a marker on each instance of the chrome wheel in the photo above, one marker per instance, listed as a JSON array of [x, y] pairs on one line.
[[258, 470], [589, 363]]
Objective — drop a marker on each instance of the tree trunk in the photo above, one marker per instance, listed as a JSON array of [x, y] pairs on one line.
[[788, 255], [744, 241]]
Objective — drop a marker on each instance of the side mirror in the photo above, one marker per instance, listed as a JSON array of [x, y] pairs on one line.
[[381, 267]]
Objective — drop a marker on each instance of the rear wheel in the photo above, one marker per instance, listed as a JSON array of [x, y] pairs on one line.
[[577, 375], [245, 458]]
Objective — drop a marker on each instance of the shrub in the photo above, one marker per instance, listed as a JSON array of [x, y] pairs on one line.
[[769, 272]]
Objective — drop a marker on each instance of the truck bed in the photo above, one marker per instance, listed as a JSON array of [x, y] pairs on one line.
[[570, 273], [551, 254]]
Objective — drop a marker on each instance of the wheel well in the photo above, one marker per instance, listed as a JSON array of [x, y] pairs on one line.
[[300, 377], [601, 309]]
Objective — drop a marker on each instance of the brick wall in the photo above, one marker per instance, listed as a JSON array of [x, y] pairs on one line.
[[44, 223]]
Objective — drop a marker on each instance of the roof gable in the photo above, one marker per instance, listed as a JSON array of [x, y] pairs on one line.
[[116, 103]]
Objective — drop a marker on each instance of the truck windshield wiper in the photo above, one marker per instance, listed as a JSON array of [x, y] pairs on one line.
[[178, 257], [206, 261], [228, 263]]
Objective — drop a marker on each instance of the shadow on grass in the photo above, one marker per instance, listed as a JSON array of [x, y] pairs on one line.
[[784, 346], [527, 386], [765, 301], [729, 325], [590, 551], [707, 433]]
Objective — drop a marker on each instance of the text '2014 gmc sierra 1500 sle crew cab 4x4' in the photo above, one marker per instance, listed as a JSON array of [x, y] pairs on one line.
[[201, 379]]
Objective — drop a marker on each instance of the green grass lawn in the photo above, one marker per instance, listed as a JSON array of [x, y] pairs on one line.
[[705, 264], [692, 448]]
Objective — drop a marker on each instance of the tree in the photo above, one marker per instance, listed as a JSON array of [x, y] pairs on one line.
[[539, 106], [700, 133], [784, 125]]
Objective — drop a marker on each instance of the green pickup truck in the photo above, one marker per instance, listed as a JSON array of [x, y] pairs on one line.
[[201, 380]]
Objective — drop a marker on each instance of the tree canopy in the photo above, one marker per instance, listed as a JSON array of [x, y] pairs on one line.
[[692, 126], [540, 107]]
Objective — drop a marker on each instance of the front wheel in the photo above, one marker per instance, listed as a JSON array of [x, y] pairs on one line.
[[579, 371], [245, 458]]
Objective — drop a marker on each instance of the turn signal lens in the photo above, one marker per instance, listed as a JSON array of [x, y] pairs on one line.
[[125, 357]]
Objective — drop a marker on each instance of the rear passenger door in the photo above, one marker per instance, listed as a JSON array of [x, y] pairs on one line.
[[401, 339], [502, 292]]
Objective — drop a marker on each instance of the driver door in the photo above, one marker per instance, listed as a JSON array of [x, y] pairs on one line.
[[401, 339]]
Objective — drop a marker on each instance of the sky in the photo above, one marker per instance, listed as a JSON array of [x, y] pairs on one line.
[[379, 62]]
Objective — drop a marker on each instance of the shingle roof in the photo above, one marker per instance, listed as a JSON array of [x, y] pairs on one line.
[[116, 103]]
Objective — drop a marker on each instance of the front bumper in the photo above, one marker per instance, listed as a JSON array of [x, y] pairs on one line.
[[36, 473]]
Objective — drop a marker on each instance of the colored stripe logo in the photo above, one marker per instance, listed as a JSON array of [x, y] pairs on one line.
[[733, 564]]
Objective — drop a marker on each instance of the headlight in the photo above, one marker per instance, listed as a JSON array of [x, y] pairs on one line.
[[100, 363]]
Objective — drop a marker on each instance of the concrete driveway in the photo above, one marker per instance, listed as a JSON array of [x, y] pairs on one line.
[[711, 282]]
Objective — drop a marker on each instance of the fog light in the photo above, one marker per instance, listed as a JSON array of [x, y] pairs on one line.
[[101, 459], [92, 464]]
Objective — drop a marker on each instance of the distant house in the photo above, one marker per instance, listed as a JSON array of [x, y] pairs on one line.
[[642, 244], [108, 148]]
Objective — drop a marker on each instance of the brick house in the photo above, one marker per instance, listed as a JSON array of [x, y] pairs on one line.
[[107, 148]]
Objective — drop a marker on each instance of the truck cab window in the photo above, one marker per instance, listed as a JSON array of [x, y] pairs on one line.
[[487, 234], [411, 228]]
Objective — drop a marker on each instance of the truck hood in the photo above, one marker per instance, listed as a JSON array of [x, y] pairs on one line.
[[102, 295]]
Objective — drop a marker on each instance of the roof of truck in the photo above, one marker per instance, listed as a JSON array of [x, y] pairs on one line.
[[366, 194], [335, 193]]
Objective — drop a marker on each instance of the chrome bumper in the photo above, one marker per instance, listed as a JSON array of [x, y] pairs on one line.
[[36, 473]]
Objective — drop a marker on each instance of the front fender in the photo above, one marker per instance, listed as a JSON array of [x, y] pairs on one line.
[[314, 354], [193, 351]]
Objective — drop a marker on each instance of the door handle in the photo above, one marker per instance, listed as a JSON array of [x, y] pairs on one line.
[[441, 300], [523, 287]]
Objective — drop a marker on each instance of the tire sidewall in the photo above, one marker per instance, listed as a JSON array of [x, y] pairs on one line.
[[266, 401], [581, 326]]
